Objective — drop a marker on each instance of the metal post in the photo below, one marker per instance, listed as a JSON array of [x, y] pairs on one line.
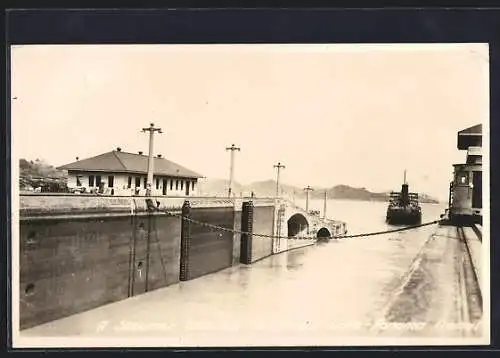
[[151, 131], [184, 273], [232, 148], [246, 236], [307, 190], [278, 167]]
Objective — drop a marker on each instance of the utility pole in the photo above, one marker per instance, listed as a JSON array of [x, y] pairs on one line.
[[324, 204], [151, 131], [149, 185], [232, 148], [307, 190], [278, 167]]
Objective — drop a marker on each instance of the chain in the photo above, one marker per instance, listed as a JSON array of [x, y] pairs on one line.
[[221, 228], [394, 230]]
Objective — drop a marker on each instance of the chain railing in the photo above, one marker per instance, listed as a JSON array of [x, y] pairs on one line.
[[341, 236]]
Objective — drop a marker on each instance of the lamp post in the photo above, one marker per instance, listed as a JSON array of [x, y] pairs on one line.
[[324, 204], [232, 148], [151, 129], [307, 190], [278, 167]]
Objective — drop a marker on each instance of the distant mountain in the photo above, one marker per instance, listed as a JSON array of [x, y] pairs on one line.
[[267, 188], [217, 187]]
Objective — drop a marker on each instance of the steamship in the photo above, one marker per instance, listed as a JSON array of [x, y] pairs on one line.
[[404, 207]]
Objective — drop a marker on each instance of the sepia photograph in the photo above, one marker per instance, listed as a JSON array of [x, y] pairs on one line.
[[250, 195]]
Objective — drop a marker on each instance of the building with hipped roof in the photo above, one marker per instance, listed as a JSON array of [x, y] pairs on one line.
[[122, 173]]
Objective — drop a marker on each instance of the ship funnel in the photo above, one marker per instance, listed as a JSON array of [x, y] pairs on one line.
[[404, 194]]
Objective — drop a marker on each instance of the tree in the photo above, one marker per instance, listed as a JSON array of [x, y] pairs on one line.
[[24, 164]]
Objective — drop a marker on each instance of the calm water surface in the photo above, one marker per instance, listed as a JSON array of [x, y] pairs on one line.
[[366, 216]]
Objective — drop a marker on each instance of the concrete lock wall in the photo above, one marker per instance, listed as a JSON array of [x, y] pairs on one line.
[[80, 252], [208, 250], [72, 261], [68, 266], [164, 252], [263, 223], [236, 235]]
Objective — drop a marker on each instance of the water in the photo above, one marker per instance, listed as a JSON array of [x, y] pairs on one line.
[[306, 296], [365, 216]]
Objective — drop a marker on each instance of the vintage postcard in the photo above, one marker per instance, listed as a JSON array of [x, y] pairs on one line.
[[250, 195]]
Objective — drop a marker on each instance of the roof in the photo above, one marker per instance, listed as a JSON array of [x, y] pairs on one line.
[[471, 136], [474, 130], [123, 162]]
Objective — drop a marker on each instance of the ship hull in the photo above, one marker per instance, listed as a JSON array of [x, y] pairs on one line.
[[403, 216]]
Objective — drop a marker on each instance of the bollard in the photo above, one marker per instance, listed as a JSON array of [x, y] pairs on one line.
[[185, 238], [246, 227]]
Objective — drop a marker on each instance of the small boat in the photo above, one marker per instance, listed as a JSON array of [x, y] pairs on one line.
[[404, 207]]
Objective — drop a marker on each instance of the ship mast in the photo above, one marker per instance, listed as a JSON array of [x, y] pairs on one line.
[[404, 178]]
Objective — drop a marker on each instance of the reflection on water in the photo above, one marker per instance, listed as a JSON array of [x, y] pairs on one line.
[[335, 288]]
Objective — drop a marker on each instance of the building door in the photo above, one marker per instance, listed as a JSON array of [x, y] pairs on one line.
[[477, 190], [165, 182], [187, 188]]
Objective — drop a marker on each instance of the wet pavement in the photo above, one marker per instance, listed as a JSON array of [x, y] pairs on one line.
[[403, 284]]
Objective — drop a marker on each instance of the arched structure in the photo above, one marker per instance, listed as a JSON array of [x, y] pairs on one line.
[[293, 222], [297, 224], [323, 233]]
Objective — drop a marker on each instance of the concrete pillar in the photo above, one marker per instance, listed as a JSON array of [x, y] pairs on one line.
[[185, 238], [246, 236]]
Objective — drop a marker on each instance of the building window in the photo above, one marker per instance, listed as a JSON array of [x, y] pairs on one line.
[[111, 181], [171, 184], [97, 180], [145, 184], [78, 180], [192, 185], [137, 182], [463, 178], [129, 185], [91, 181], [157, 183], [182, 184], [177, 185]]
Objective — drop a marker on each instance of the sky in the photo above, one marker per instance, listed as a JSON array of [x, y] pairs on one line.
[[332, 114]]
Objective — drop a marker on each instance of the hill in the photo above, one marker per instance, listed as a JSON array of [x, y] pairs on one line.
[[38, 173], [217, 187], [267, 188]]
